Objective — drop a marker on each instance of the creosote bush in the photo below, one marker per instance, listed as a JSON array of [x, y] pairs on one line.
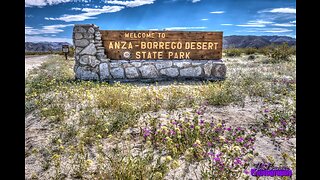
[[275, 52], [279, 53], [233, 52], [249, 51]]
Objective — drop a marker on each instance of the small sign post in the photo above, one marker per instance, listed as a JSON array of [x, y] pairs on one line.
[[65, 49]]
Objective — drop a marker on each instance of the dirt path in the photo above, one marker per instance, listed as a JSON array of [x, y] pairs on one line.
[[34, 61]]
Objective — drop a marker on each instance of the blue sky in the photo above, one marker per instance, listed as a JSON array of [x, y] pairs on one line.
[[53, 20]]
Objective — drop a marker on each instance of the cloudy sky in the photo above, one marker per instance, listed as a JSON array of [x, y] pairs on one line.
[[53, 20]]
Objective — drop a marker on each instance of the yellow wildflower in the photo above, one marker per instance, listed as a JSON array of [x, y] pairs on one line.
[[158, 175]]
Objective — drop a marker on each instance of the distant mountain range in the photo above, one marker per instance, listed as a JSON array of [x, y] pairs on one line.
[[255, 41], [228, 42], [44, 46]]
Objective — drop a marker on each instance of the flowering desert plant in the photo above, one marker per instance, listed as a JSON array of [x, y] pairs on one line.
[[226, 151], [278, 122]]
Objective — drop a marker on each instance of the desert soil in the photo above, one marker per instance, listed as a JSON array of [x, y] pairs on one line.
[[34, 61], [38, 132]]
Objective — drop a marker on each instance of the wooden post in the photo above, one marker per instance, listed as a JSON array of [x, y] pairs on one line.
[[65, 49]]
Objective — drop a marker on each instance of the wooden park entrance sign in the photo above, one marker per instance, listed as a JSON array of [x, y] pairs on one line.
[[137, 45], [108, 55]]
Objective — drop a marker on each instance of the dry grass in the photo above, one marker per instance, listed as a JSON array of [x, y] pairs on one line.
[[97, 129]]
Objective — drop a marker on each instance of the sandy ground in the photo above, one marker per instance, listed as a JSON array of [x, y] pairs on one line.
[[31, 62], [38, 132]]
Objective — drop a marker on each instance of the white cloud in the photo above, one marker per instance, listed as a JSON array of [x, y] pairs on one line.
[[46, 39], [255, 23], [89, 13], [217, 12], [293, 22], [41, 3], [28, 16], [76, 17], [259, 22], [251, 25], [267, 30], [133, 3], [194, 1], [279, 10], [183, 28], [284, 10], [204, 19], [76, 9], [51, 29], [284, 25], [226, 24], [277, 30]]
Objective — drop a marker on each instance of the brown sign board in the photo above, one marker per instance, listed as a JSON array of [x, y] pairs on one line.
[[152, 45]]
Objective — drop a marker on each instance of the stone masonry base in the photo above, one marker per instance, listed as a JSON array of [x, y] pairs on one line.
[[154, 70], [92, 63]]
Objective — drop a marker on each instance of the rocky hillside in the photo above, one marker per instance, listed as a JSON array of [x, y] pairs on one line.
[[255, 41], [43, 46]]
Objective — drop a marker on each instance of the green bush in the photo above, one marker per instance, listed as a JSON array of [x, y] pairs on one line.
[[222, 93], [126, 166], [249, 51], [233, 52], [279, 53]]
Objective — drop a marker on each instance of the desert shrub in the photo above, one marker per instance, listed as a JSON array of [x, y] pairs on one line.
[[277, 122], [118, 97], [226, 151], [153, 98], [233, 52], [43, 79], [122, 165], [41, 53], [70, 54], [68, 133], [95, 125], [71, 51], [100, 111], [251, 57], [264, 50], [45, 76], [222, 93], [283, 87], [120, 121], [260, 89], [81, 162], [54, 112], [253, 84], [249, 51], [279, 53], [175, 97]]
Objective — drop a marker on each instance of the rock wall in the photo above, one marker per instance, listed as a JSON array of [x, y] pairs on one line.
[[91, 63]]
